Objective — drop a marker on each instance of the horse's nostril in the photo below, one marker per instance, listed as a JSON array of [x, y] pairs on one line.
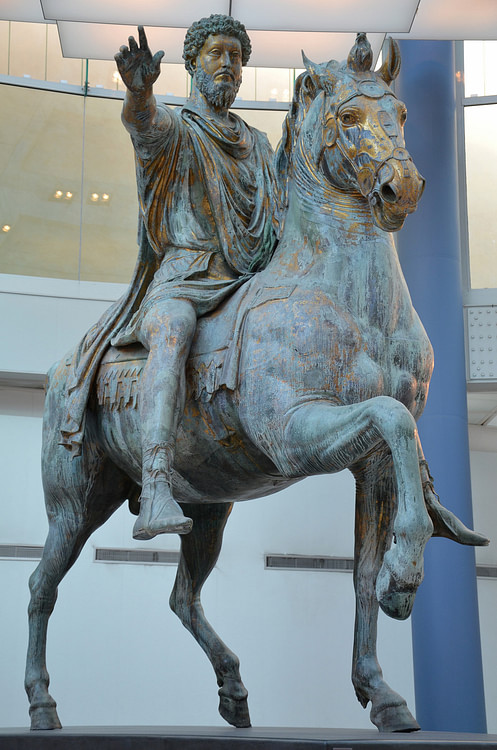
[[388, 194]]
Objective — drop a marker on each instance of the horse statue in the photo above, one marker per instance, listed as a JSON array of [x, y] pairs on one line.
[[319, 363]]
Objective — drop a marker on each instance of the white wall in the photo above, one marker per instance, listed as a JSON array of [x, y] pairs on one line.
[[484, 484], [116, 653]]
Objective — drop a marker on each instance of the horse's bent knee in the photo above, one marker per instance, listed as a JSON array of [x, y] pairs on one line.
[[392, 417], [388, 408]]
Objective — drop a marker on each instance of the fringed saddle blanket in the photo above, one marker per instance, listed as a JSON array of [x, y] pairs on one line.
[[214, 358]]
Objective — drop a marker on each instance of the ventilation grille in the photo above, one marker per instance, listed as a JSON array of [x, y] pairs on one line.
[[171, 557], [307, 562], [137, 556], [20, 552], [340, 564], [486, 571]]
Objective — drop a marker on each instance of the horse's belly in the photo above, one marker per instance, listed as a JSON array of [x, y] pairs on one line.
[[213, 461]]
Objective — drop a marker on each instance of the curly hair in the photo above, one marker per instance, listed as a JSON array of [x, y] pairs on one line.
[[217, 23]]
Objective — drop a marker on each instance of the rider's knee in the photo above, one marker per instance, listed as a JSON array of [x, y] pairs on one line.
[[174, 320]]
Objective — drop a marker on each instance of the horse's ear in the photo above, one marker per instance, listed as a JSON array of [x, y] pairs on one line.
[[391, 65], [313, 71]]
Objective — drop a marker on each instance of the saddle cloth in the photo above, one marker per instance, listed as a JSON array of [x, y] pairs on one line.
[[214, 358]]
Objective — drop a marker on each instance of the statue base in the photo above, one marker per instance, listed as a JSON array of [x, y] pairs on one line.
[[227, 738]]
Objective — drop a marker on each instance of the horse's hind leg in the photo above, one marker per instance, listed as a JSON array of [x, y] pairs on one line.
[[66, 537], [75, 511], [199, 552], [375, 511]]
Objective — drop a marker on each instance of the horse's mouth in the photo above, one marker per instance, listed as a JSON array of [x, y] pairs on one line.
[[395, 194], [385, 215]]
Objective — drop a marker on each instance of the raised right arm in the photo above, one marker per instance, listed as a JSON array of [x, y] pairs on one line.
[[139, 70]]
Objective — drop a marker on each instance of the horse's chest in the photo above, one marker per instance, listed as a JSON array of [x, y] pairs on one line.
[[360, 356]]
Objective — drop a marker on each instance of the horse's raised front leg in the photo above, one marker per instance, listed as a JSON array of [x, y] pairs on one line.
[[375, 511], [199, 552], [320, 437]]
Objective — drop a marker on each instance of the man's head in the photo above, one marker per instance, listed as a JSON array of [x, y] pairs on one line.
[[215, 24], [214, 51]]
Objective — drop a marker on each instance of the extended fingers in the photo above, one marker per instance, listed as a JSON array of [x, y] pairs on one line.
[[142, 37]]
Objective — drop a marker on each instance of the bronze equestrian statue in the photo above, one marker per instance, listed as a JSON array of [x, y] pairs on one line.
[[314, 364]]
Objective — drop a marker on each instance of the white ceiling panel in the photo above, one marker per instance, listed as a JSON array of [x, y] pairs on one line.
[[22, 10], [326, 15], [281, 15], [102, 41], [279, 28], [279, 49], [132, 12], [270, 48], [454, 20]]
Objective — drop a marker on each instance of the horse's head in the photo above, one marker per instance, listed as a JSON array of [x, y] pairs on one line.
[[346, 124]]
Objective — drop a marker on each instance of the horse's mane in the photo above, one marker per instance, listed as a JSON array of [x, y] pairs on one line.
[[291, 127]]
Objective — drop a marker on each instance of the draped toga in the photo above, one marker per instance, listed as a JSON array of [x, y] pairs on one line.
[[208, 221]]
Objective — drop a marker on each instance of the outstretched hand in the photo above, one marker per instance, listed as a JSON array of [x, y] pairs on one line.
[[138, 68]]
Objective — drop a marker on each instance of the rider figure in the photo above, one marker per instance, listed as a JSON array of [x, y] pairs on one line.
[[208, 205]]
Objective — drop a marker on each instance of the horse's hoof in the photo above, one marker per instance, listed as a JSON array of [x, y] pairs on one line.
[[394, 719], [398, 605], [235, 711], [394, 603], [44, 717]]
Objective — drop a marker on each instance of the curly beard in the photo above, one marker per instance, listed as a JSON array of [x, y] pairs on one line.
[[219, 94]]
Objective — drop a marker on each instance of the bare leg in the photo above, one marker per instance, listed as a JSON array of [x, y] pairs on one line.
[[199, 553], [375, 511], [167, 331]]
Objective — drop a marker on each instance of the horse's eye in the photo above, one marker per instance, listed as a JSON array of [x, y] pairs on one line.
[[348, 118], [403, 116]]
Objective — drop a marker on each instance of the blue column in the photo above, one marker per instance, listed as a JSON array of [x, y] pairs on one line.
[[445, 625]]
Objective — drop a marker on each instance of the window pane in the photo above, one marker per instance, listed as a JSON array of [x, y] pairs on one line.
[[4, 47], [480, 68], [481, 157], [273, 84], [40, 182], [28, 47], [61, 69], [110, 205], [268, 122]]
